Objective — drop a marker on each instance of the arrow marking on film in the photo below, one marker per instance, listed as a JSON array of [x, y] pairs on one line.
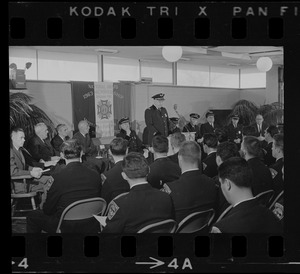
[[155, 264]]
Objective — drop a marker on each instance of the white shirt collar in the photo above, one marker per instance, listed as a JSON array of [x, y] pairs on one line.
[[161, 157], [82, 134], [244, 201], [192, 169], [211, 152], [118, 161], [279, 158], [142, 183]]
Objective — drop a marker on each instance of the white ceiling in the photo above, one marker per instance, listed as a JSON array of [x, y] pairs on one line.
[[230, 56]]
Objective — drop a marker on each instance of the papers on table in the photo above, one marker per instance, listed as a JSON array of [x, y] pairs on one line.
[[101, 220]]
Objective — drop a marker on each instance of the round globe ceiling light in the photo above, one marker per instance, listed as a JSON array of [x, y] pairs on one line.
[[264, 64], [172, 53]]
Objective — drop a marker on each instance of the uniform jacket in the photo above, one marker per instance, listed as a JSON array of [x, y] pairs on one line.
[[249, 217], [233, 133], [40, 149], [209, 164], [192, 192], [143, 205], [262, 179], [277, 179], [134, 142], [89, 149], [263, 128], [190, 128], [114, 183], [163, 170], [156, 122]]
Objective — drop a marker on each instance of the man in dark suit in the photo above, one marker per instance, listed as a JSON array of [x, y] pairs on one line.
[[74, 182], [210, 143], [247, 214], [174, 125], [114, 184], [143, 205], [260, 126], [234, 130], [176, 139], [251, 151], [163, 169], [193, 126], [209, 126], [193, 191], [39, 146], [60, 137], [84, 139], [269, 134], [156, 118]]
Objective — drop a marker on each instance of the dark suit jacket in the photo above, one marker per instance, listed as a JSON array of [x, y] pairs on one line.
[[163, 170], [262, 178], [56, 143], [190, 128], [233, 133], [89, 148], [39, 149], [262, 132], [268, 158], [277, 180], [207, 128], [209, 164], [249, 217], [143, 205], [192, 192], [174, 158], [134, 142], [18, 166], [114, 183], [156, 122]]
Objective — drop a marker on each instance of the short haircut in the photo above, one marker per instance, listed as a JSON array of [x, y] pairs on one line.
[[81, 123], [227, 150], [237, 170], [248, 131], [118, 146], [160, 144], [190, 152], [71, 149], [272, 130], [16, 130], [221, 135], [177, 139], [252, 145], [278, 141], [135, 165], [60, 126], [38, 127], [210, 139]]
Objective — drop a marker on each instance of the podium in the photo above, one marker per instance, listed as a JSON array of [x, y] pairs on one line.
[[189, 136]]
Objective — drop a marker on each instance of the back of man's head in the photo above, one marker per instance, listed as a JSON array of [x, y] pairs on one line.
[[135, 166], [227, 150], [248, 131], [160, 144], [176, 139], [211, 140], [272, 130], [118, 146], [71, 149], [252, 146], [237, 170], [190, 152], [278, 141]]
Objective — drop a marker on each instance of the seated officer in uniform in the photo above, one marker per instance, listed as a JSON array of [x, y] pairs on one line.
[[193, 126], [247, 214], [163, 169], [193, 191], [209, 126], [174, 125], [143, 205], [176, 139], [210, 143]]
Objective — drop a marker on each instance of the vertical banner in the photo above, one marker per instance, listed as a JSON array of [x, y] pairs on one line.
[[104, 109], [83, 102]]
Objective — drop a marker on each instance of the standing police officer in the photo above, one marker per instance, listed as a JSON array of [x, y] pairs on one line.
[[234, 131], [156, 118]]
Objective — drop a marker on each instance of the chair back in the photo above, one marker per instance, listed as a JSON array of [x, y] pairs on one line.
[[196, 222], [265, 197], [166, 226], [224, 213], [82, 209], [111, 202]]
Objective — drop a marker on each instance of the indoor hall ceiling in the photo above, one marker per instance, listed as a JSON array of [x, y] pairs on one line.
[[228, 56]]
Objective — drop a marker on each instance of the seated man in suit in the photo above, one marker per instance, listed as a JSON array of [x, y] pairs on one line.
[[114, 184], [210, 143], [74, 182], [260, 126], [269, 134], [209, 126], [143, 205], [84, 139], [176, 139], [193, 126], [60, 137], [163, 169], [193, 191], [39, 145], [251, 151], [247, 215]]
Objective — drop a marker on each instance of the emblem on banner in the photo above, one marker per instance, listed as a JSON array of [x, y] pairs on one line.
[[104, 109]]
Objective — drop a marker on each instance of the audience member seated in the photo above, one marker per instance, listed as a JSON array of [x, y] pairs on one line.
[[174, 125], [176, 139], [163, 169], [114, 184], [143, 205], [193, 191], [74, 182], [251, 151], [224, 151], [247, 214], [221, 135], [248, 131], [134, 142], [194, 126], [39, 145], [84, 139], [60, 137], [276, 168], [210, 143], [269, 134]]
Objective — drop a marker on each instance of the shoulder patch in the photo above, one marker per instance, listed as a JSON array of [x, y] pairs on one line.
[[273, 172], [113, 208], [166, 189], [204, 166]]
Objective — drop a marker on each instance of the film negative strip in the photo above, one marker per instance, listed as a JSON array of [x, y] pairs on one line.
[[160, 24]]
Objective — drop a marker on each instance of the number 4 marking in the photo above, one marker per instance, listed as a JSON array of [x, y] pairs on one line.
[[186, 263], [23, 263], [173, 264]]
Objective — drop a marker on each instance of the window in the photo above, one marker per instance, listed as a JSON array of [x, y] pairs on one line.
[[192, 75], [160, 72], [221, 77], [252, 78]]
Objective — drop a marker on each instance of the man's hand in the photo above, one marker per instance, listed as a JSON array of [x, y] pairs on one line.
[[237, 141], [146, 153], [36, 172]]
